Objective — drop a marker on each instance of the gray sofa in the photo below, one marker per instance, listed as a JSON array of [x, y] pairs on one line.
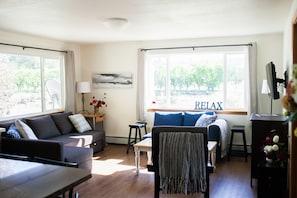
[[57, 140]]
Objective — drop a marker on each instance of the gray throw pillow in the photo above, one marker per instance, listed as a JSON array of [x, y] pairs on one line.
[[205, 120], [43, 126], [25, 131], [80, 123], [63, 122]]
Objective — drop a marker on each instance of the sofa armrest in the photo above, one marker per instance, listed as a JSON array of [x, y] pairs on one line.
[[33, 148], [214, 133], [218, 131]]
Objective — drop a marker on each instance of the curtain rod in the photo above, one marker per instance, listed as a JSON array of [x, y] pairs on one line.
[[29, 47], [201, 46]]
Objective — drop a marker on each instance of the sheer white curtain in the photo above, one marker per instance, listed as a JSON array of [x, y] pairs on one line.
[[70, 82], [140, 107], [253, 103]]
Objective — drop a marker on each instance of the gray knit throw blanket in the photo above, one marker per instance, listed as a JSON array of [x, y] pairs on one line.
[[182, 165]]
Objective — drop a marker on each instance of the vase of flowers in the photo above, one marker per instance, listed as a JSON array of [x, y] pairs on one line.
[[269, 161], [275, 149], [97, 104], [289, 101]]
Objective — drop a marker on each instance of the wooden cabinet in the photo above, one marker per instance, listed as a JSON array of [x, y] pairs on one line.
[[272, 181], [261, 127]]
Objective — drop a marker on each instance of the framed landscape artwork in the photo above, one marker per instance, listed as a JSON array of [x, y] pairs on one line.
[[112, 80]]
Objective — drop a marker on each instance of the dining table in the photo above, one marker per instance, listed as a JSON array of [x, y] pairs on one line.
[[19, 178]]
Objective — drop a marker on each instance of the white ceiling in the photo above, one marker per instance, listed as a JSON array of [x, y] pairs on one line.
[[82, 20]]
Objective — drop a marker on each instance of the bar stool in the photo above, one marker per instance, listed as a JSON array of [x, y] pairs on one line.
[[144, 125], [137, 126], [238, 129]]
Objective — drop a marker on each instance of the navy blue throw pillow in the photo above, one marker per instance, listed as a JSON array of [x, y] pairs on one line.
[[168, 119], [13, 132]]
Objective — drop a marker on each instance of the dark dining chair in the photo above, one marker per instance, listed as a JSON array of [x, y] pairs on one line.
[[180, 160]]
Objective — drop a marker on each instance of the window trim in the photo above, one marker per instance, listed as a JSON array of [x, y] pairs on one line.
[[233, 112], [42, 54], [227, 50]]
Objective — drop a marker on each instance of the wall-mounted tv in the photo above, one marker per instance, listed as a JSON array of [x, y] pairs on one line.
[[273, 81]]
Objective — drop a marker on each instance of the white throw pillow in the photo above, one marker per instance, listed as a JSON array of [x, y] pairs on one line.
[[80, 123], [25, 131], [205, 120]]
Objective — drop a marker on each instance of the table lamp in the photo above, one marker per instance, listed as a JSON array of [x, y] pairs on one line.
[[83, 87], [265, 90]]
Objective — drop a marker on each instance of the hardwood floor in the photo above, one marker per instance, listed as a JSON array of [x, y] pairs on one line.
[[114, 176]]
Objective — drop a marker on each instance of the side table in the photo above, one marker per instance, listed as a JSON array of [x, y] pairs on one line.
[[144, 145], [272, 180], [95, 118]]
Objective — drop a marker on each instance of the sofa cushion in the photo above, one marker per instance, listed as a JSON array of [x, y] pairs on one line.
[[169, 118], [67, 140], [205, 120], [80, 123], [190, 118], [25, 130], [63, 123], [43, 126], [80, 139], [13, 132]]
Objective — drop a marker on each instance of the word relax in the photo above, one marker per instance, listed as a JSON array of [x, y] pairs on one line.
[[208, 105]]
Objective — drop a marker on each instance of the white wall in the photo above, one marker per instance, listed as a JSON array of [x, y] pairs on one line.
[[122, 57]]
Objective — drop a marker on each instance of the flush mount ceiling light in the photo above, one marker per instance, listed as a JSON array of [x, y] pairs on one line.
[[115, 23]]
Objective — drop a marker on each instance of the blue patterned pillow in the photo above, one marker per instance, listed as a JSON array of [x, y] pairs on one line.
[[13, 132]]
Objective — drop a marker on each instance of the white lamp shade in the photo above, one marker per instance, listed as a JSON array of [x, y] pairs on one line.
[[265, 88], [83, 87]]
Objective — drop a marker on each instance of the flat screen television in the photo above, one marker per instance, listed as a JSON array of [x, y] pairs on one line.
[[272, 80]]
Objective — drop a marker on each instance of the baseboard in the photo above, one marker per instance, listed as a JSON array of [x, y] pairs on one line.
[[240, 147], [116, 140]]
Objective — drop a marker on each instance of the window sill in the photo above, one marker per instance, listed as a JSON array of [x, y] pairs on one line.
[[233, 112]]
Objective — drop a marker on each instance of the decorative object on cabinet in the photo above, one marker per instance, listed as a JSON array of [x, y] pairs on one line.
[[289, 101], [275, 149]]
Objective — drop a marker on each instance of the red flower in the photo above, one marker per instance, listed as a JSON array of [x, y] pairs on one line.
[[98, 103]]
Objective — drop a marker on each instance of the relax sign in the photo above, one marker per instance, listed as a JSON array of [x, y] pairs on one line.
[[208, 105]]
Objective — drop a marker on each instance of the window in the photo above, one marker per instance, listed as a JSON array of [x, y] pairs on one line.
[[30, 84], [200, 79]]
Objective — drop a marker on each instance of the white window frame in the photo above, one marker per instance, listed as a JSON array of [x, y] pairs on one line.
[[226, 50], [42, 54]]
